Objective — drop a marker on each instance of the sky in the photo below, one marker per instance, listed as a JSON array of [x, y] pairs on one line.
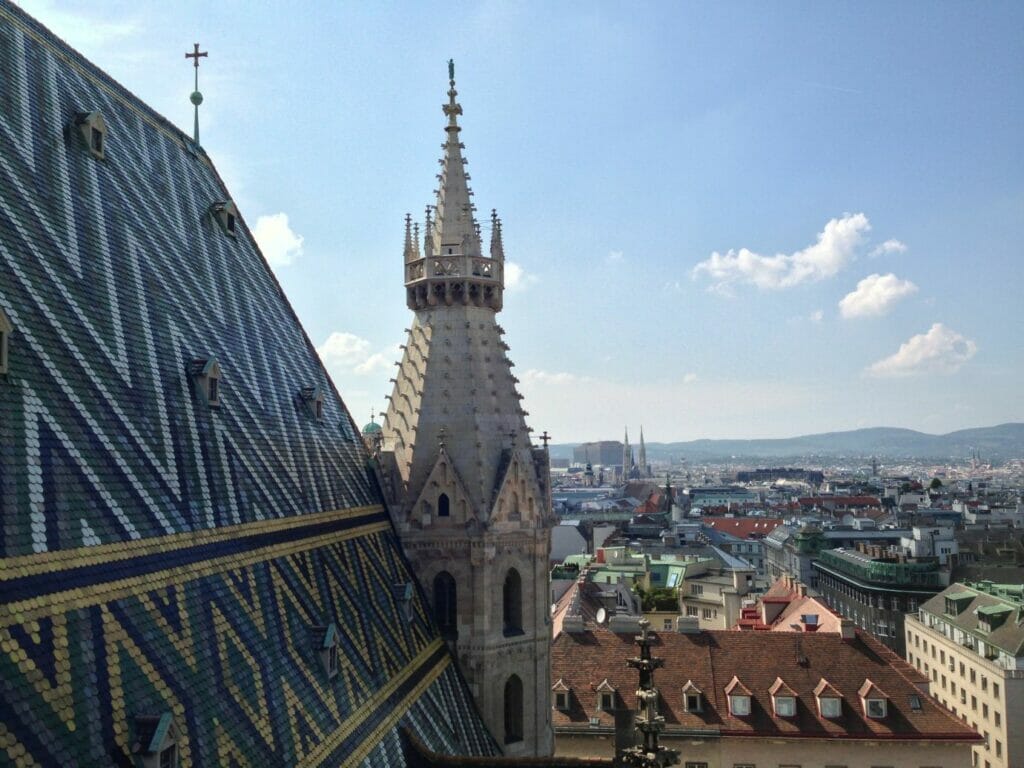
[[722, 220]]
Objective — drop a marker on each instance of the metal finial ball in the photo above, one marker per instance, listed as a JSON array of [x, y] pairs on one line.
[[196, 98]]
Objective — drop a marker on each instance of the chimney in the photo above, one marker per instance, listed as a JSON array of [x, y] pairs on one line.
[[847, 629], [687, 625], [802, 590]]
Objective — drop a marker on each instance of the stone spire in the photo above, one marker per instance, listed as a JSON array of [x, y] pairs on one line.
[[453, 268], [455, 225], [643, 454], [467, 490], [627, 456], [497, 247]]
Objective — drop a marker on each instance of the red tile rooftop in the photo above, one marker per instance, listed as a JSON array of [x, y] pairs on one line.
[[711, 659], [743, 527]]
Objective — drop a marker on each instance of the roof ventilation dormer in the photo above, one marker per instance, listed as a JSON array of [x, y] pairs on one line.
[[92, 129], [226, 214], [874, 700], [326, 645], [156, 741], [693, 697], [403, 594], [312, 400], [205, 374]]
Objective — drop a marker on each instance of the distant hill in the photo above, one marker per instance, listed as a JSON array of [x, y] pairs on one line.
[[1002, 442]]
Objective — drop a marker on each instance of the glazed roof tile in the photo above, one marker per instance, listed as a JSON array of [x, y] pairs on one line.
[[157, 555]]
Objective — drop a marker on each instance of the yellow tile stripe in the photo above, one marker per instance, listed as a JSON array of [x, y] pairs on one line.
[[44, 562], [373, 704], [371, 741], [84, 597]]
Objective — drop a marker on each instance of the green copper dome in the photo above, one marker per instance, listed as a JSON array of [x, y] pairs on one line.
[[372, 428]]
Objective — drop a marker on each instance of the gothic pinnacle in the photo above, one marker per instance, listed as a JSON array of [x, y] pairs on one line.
[[408, 238]]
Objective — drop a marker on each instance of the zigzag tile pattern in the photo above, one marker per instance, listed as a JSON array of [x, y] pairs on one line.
[[156, 554]]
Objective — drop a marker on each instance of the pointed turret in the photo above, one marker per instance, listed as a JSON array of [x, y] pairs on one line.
[[453, 268], [456, 226], [497, 247], [409, 253]]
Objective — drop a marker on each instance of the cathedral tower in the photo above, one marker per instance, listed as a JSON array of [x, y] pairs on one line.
[[643, 456], [467, 490]]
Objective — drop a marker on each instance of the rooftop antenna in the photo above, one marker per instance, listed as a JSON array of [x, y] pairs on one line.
[[196, 98]]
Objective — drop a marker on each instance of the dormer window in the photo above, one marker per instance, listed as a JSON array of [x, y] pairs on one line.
[[5, 334], [205, 373], [561, 695], [605, 696], [92, 129], [226, 214], [327, 648], [739, 698], [156, 741], [312, 399], [830, 702], [692, 697], [403, 593], [874, 700], [783, 698]]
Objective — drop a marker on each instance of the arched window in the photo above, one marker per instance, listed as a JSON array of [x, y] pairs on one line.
[[512, 603], [513, 710], [446, 605], [443, 505]]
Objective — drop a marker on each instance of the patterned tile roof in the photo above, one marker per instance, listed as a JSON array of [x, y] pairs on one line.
[[713, 660], [160, 554]]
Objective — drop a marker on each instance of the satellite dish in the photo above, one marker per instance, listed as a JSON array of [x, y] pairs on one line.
[[602, 614]]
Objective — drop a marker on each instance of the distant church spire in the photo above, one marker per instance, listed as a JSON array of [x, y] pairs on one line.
[[627, 456], [643, 454]]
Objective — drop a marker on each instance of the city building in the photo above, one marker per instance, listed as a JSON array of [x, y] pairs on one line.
[[607, 453], [787, 607], [741, 536], [969, 641], [469, 493], [755, 698], [876, 587], [195, 567]]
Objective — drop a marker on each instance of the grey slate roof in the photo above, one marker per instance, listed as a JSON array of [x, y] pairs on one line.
[[1008, 636], [159, 555]]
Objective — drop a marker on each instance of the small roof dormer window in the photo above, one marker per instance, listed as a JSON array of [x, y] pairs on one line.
[[226, 214], [156, 741], [605, 696], [312, 400], [783, 698], [92, 129], [830, 701], [5, 334], [693, 697], [874, 700], [205, 374], [326, 642], [403, 593], [739, 698], [560, 695]]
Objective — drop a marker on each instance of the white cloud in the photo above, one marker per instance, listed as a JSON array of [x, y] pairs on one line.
[[276, 239], [875, 295], [82, 31], [536, 376], [817, 316], [345, 353], [889, 246], [939, 351], [837, 245], [517, 278], [690, 378]]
